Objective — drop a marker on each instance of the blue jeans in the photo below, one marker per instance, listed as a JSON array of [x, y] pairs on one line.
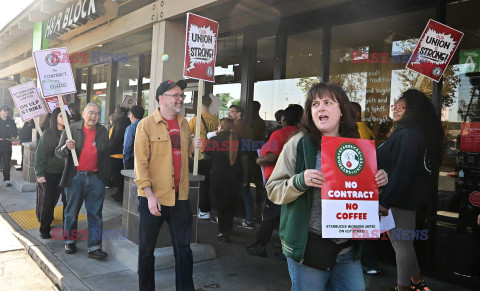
[[345, 275], [248, 202], [179, 219], [92, 190]]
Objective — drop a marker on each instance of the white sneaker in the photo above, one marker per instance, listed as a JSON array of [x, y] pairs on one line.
[[8, 183], [203, 215]]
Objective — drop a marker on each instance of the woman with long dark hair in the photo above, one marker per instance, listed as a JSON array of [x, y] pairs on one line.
[[49, 169], [315, 263], [225, 177], [411, 156]]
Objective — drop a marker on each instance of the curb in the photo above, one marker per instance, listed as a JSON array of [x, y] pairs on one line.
[[54, 268]]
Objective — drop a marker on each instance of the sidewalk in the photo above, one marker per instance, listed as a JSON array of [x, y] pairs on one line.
[[234, 269]]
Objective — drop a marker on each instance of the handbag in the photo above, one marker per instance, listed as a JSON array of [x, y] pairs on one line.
[[322, 253]]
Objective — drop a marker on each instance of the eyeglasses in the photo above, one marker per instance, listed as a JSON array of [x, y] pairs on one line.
[[230, 112], [176, 96], [398, 107], [96, 113]]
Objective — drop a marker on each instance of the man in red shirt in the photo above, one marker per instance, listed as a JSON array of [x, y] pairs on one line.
[[86, 182], [270, 152]]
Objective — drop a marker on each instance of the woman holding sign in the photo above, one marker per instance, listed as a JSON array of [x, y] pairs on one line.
[[410, 155], [315, 263], [49, 169]]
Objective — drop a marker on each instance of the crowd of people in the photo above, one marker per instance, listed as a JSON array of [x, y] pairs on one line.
[[160, 147]]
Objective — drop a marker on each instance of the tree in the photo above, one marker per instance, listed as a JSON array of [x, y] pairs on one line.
[[354, 84]]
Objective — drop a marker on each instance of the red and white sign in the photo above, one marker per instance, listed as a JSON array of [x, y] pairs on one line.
[[474, 198], [200, 48], [27, 101], [470, 137], [54, 72], [434, 50], [350, 193], [52, 103]]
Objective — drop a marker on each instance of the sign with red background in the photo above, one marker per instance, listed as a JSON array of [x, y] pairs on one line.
[[434, 50], [470, 137], [350, 193]]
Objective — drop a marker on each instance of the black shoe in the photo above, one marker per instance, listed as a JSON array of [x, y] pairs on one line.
[[223, 236], [19, 169], [280, 256], [255, 250], [70, 248], [97, 254], [45, 235]]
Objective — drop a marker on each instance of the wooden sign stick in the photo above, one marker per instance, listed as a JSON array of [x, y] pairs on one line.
[[201, 90], [37, 125], [419, 81], [67, 128]]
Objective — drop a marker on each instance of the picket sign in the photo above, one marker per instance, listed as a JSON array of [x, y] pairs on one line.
[[199, 62], [67, 128]]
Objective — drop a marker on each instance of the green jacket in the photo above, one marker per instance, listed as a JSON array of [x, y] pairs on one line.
[[287, 187], [45, 160]]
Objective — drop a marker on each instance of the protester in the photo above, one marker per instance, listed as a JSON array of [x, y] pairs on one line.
[[8, 131], [49, 169], [208, 124], [226, 176], [25, 135], [270, 152], [363, 130], [278, 118], [115, 146], [162, 149], [135, 115], [75, 113], [245, 133], [411, 156], [86, 182], [295, 183]]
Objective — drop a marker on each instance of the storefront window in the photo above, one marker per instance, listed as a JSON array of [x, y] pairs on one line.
[[227, 72], [127, 80], [146, 83], [82, 93], [98, 92]]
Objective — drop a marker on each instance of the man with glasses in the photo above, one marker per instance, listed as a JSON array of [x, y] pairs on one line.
[[244, 132], [162, 148], [86, 182]]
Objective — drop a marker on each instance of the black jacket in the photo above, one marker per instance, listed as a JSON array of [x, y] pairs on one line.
[[8, 128], [402, 156], [101, 141], [25, 133], [222, 172], [115, 144]]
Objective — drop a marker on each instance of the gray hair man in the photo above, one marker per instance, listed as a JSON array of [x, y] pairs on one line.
[[86, 182]]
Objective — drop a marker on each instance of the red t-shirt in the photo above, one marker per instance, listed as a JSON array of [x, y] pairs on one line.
[[88, 158], [174, 131], [275, 145]]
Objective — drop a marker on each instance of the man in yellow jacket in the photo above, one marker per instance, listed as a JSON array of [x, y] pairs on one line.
[[162, 147]]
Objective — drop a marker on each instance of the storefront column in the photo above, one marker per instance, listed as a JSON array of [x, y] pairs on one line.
[[249, 60], [168, 48]]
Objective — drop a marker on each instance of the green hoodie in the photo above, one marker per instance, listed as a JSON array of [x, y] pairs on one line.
[[45, 159]]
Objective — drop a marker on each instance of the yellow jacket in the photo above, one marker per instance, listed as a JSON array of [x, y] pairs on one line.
[[365, 132], [153, 158]]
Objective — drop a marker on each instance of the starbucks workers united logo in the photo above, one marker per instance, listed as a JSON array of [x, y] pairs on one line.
[[349, 159]]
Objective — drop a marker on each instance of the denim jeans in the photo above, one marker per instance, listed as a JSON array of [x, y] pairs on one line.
[[248, 202], [179, 219], [345, 275], [92, 190]]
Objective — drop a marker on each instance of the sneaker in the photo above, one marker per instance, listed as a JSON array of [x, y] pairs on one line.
[[256, 250], [45, 235], [420, 286], [223, 236], [97, 254], [70, 248], [248, 225], [203, 215], [8, 183], [214, 219]]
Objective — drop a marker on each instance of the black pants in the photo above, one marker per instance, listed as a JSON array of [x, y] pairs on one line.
[[129, 164], [116, 166], [6, 154], [227, 197], [265, 231], [204, 167], [179, 219], [47, 197]]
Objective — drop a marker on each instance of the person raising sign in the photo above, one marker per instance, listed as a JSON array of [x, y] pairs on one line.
[[295, 184]]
